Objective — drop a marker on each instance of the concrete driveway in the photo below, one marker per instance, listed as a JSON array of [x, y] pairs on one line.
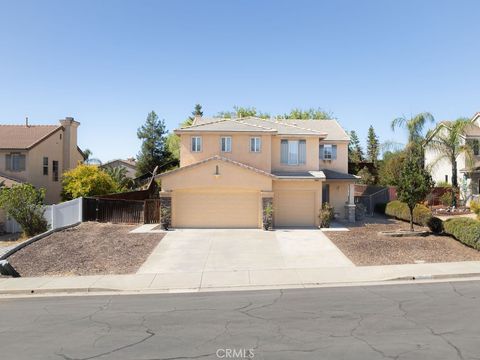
[[206, 250]]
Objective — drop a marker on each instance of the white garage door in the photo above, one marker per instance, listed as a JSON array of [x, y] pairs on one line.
[[294, 208], [213, 209]]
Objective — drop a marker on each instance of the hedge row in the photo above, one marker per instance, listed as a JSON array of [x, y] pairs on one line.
[[399, 210], [465, 230]]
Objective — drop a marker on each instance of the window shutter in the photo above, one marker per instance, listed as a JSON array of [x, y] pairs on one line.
[[334, 152], [302, 152], [8, 162], [284, 152], [321, 152]]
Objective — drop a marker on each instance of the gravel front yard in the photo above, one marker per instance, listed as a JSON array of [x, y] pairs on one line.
[[88, 249], [364, 246]]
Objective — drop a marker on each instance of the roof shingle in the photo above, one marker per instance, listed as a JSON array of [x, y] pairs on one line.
[[24, 137]]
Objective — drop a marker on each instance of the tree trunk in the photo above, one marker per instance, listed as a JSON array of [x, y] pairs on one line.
[[411, 219], [454, 182]]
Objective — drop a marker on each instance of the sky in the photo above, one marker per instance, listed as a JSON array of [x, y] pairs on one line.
[[108, 63]]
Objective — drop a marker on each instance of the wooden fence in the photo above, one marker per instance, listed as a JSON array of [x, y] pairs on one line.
[[152, 211], [114, 210]]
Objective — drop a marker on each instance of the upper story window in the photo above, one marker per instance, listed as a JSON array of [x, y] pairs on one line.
[[255, 144], [196, 144], [45, 165], [293, 152], [15, 162], [55, 170], [474, 145], [328, 152], [226, 143]]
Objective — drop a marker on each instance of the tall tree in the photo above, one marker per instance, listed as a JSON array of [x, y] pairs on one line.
[[153, 151], [308, 114], [415, 183], [373, 146], [355, 151], [197, 111], [391, 167], [414, 126], [242, 112], [89, 159], [448, 142]]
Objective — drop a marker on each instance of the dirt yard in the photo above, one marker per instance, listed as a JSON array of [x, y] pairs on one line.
[[88, 249], [364, 246]]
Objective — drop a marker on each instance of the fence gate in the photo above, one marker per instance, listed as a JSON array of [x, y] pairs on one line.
[[152, 211]]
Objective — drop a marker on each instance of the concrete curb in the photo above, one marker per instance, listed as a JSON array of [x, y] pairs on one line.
[[35, 238], [118, 291]]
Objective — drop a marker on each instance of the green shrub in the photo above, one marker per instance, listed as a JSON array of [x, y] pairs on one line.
[[399, 210], [435, 225], [24, 203], [380, 208], [326, 215], [268, 217], [465, 230], [475, 207], [166, 217], [446, 198]]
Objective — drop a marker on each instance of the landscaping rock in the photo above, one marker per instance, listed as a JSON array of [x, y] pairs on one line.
[[7, 269]]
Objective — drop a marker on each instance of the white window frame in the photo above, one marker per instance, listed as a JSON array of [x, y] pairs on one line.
[[327, 155], [256, 141], [196, 144], [227, 141]]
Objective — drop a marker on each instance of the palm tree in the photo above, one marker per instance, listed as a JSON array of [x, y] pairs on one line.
[[88, 158], [414, 126], [449, 143], [119, 175]]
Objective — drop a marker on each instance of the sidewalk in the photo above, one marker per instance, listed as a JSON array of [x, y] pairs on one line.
[[235, 280]]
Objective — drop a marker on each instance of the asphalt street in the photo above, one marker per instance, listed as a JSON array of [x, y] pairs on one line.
[[418, 321]]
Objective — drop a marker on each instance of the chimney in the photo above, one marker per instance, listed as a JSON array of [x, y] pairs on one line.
[[196, 119], [26, 121], [70, 153]]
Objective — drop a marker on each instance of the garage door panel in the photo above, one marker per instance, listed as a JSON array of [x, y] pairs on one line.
[[294, 208], [216, 209]]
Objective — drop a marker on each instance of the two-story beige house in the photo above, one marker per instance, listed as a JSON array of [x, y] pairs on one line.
[[468, 169], [39, 154], [231, 169]]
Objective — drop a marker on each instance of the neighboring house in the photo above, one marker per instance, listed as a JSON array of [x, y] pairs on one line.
[[441, 170], [230, 170], [39, 154], [129, 164]]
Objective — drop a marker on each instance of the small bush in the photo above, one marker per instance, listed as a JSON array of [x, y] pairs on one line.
[[166, 217], [399, 210], [465, 230], [435, 225], [475, 207], [380, 208], [446, 198], [326, 215], [268, 217]]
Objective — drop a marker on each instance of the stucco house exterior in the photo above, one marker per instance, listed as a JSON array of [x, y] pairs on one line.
[[467, 173], [39, 154], [231, 169], [130, 165]]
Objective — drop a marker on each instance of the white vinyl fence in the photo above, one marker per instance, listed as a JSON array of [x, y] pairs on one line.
[[57, 216]]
